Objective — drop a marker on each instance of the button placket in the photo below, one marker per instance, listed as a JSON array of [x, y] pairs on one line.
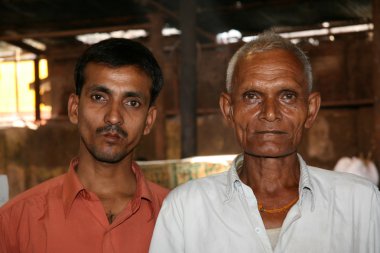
[[250, 205]]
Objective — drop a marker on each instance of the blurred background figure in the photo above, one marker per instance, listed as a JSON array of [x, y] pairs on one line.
[[358, 166], [4, 189]]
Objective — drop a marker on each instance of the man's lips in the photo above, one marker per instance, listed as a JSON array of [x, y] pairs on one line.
[[112, 135], [270, 132], [112, 131]]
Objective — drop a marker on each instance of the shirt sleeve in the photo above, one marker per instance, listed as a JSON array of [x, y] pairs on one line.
[[4, 234], [168, 233], [374, 233]]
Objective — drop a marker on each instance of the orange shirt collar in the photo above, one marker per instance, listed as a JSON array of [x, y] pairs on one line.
[[142, 190], [72, 186]]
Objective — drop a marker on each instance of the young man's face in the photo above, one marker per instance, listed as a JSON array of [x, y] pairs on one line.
[[269, 105], [112, 111]]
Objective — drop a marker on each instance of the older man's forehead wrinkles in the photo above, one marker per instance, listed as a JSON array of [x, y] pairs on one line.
[[275, 68], [270, 79]]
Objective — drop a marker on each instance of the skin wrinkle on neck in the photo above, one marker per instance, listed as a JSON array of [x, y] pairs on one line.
[[267, 180]]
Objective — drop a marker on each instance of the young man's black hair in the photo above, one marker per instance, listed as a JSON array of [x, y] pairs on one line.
[[116, 53]]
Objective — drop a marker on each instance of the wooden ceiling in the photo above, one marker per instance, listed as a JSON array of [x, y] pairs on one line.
[[58, 21]]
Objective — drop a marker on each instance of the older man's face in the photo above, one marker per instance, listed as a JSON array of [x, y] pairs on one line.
[[269, 105]]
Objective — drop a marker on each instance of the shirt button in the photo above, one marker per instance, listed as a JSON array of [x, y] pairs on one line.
[[258, 230]]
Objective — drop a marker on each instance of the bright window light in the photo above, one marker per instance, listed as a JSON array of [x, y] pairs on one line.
[[170, 31], [232, 36], [308, 33], [17, 95], [35, 44], [352, 28], [325, 24], [93, 38], [326, 31]]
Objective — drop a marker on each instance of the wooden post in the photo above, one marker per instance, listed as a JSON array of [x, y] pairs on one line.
[[37, 84], [376, 80], [156, 44], [188, 78]]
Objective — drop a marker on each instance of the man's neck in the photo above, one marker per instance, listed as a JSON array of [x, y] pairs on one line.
[[274, 182], [269, 175], [113, 183], [106, 178]]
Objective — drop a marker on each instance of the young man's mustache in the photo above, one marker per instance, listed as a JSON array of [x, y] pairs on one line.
[[112, 129]]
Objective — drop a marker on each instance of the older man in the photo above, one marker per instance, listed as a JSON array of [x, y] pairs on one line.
[[270, 200]]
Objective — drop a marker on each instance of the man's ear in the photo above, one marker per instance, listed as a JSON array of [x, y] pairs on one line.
[[72, 108], [226, 106], [150, 119], [314, 103]]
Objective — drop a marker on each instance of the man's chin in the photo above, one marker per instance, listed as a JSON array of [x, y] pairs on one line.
[[269, 154], [109, 158]]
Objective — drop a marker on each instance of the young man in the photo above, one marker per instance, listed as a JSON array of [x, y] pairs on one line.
[[270, 200], [103, 203]]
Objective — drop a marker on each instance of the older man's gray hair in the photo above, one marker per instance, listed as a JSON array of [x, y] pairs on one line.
[[268, 41]]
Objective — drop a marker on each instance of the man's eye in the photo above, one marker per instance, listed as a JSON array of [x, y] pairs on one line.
[[288, 96], [250, 96], [97, 97], [133, 103]]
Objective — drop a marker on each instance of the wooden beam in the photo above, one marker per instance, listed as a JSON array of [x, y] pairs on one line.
[[188, 79], [156, 44], [236, 7], [376, 80], [173, 15], [345, 104], [68, 33], [37, 85], [341, 104], [26, 47]]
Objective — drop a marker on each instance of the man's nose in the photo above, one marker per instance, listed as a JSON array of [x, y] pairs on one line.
[[113, 114], [270, 110]]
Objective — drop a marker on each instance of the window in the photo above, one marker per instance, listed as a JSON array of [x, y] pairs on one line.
[[17, 94]]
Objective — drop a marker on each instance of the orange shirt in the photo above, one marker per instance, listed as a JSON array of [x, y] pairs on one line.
[[60, 216]]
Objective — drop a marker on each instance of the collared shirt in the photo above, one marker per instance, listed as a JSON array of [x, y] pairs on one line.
[[336, 212], [61, 216]]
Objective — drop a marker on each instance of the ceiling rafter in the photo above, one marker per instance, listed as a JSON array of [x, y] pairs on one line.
[[26, 47], [68, 33], [173, 15]]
